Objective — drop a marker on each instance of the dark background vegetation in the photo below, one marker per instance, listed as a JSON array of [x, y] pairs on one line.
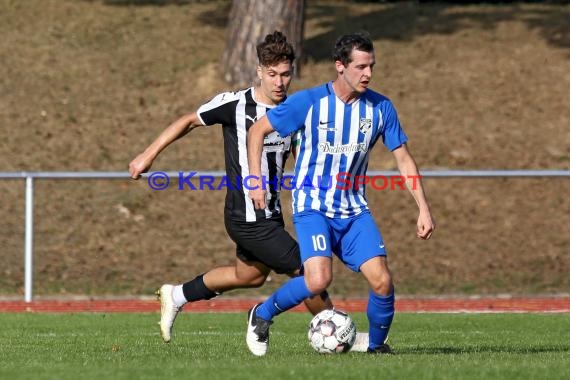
[[89, 84]]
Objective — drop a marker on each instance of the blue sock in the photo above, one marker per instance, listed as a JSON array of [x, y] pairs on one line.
[[380, 313], [289, 295]]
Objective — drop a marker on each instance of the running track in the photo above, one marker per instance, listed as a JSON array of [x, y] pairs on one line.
[[554, 304]]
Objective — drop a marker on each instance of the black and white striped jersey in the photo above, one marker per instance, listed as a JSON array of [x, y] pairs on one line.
[[236, 112]]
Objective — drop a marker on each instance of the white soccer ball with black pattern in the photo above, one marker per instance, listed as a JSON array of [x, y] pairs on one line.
[[332, 332]]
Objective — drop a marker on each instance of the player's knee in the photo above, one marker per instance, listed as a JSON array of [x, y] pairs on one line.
[[383, 285], [318, 284]]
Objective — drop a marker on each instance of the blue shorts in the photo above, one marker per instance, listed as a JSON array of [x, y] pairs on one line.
[[353, 240]]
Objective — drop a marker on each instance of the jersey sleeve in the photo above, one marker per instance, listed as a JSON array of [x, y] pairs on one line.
[[290, 115], [219, 110], [393, 135]]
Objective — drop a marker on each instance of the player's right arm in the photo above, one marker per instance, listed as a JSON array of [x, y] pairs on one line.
[[142, 163]]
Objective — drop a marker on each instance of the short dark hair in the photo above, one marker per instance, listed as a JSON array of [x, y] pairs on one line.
[[348, 42], [275, 49]]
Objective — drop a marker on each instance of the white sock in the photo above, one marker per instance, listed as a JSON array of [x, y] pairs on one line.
[[178, 296]]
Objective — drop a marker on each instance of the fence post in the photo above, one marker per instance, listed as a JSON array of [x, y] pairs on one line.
[[29, 239]]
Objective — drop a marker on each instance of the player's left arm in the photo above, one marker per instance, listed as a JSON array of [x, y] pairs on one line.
[[410, 173], [255, 137]]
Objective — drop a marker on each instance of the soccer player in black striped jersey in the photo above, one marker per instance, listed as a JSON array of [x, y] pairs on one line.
[[262, 242]]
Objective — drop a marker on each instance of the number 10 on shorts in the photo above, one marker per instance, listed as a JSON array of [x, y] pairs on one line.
[[319, 242]]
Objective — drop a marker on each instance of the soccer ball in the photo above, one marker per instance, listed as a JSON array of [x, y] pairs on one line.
[[332, 332]]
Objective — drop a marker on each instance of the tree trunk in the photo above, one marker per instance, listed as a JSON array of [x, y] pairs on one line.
[[250, 21]]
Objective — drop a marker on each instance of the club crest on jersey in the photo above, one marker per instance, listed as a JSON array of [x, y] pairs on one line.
[[364, 125]]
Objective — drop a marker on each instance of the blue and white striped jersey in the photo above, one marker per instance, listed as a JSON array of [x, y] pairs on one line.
[[335, 139]]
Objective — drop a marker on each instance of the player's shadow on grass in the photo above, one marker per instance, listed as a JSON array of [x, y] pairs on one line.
[[451, 350]]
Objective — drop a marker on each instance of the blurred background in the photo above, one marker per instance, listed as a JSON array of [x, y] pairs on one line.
[[86, 85]]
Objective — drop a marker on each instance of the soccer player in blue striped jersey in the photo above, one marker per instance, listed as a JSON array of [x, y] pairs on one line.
[[337, 124]]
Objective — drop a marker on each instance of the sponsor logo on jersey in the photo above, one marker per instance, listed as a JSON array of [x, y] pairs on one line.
[[326, 147]]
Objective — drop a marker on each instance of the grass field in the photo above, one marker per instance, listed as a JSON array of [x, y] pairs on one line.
[[212, 346]]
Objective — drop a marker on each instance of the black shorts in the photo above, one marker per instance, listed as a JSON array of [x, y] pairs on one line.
[[267, 242]]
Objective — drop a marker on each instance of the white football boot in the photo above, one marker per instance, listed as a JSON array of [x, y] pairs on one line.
[[257, 337], [360, 343], [168, 311]]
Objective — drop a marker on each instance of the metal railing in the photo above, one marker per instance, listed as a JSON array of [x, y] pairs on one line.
[[30, 176]]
